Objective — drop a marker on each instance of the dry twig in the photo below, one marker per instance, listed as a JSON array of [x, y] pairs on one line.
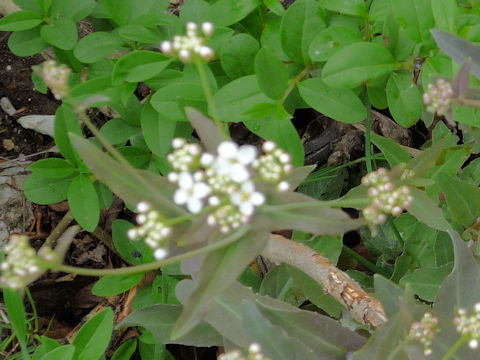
[[335, 282]]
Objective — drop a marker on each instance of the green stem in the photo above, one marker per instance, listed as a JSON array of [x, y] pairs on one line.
[[150, 266], [34, 310], [59, 229], [370, 266], [209, 96], [339, 203], [455, 347], [368, 144], [294, 83]]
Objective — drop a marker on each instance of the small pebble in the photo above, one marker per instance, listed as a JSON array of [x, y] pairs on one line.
[[7, 106], [8, 144], [9, 67]]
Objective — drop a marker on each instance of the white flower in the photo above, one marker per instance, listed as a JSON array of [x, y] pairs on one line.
[[160, 253], [233, 160], [208, 28], [247, 198], [190, 192]]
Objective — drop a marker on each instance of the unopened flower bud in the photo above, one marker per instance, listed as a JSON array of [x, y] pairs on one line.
[[208, 28]]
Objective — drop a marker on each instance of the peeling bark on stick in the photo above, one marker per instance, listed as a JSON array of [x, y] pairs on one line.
[[335, 282]]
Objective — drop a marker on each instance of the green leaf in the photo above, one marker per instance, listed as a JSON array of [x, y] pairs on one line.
[[18, 320], [274, 6], [167, 100], [83, 202], [445, 14], [426, 281], [347, 7], [271, 36], [227, 12], [44, 191], [137, 157], [393, 152], [20, 20], [140, 33], [139, 65], [72, 9], [93, 337], [160, 320], [388, 293], [422, 163], [426, 211], [155, 188], [341, 105], [277, 127], [357, 63], [116, 284], [53, 168], [26, 43], [62, 33], [96, 46], [300, 215], [205, 129], [330, 40], [463, 199], [415, 17], [300, 24], [275, 343], [379, 10], [64, 352], [118, 10], [65, 122], [117, 132], [218, 270], [237, 55], [461, 288], [126, 350], [315, 293], [135, 252], [237, 96], [272, 75], [31, 5], [158, 130], [458, 49], [404, 100]]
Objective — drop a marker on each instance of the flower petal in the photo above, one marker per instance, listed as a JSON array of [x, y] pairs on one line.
[[227, 149], [194, 205], [180, 197], [246, 154], [200, 190], [246, 208], [257, 198], [185, 180], [239, 173]]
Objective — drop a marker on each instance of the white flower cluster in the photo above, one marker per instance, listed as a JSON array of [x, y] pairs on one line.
[[21, 265], [190, 45], [384, 198], [55, 77], [254, 353], [424, 331], [224, 180], [274, 166], [439, 97], [152, 228], [469, 326]]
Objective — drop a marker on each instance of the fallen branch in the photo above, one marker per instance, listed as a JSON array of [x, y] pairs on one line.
[[335, 282]]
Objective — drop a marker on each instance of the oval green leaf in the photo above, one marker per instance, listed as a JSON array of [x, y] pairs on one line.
[[357, 63], [404, 99], [272, 75], [61, 33], [20, 20], [330, 40], [116, 284], [83, 202], [93, 337], [300, 24], [237, 55], [341, 105], [139, 65], [96, 46]]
